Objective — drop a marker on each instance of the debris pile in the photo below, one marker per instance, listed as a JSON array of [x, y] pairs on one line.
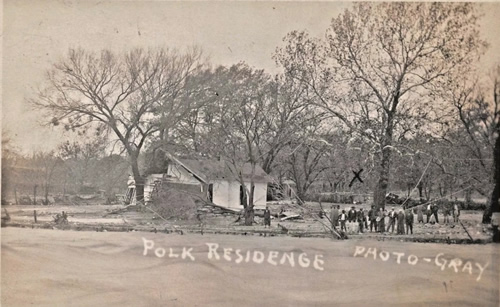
[[175, 204], [5, 218], [216, 209], [61, 219]]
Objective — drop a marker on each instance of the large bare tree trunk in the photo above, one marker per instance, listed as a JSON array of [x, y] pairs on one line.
[[139, 180], [383, 181], [301, 194], [385, 162], [420, 188], [249, 211], [46, 195]]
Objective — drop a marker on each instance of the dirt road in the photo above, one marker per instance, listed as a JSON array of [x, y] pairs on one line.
[[66, 268]]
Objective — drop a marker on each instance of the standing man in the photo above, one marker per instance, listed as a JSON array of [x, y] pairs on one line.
[[381, 222], [446, 213], [420, 214], [392, 220], [361, 219], [130, 190], [351, 216], [456, 212], [435, 209], [372, 215], [267, 217], [409, 221], [429, 212], [366, 221], [343, 218], [401, 222]]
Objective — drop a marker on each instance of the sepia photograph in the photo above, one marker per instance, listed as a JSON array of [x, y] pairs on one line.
[[250, 153]]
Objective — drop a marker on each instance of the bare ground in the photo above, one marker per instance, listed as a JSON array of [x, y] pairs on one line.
[[68, 268], [97, 217]]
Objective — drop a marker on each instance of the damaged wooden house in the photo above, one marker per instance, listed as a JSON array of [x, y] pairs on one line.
[[212, 180]]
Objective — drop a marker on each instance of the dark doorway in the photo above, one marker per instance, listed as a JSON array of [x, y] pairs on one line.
[[243, 196], [211, 192]]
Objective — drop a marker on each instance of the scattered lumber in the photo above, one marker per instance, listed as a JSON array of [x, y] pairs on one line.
[[119, 210], [291, 217], [213, 208]]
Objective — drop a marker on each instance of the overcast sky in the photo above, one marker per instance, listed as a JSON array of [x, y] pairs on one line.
[[38, 33]]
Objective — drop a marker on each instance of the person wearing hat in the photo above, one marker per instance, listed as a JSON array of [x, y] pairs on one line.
[[435, 209], [372, 215], [267, 218], [409, 221], [401, 222], [392, 220], [381, 222], [429, 211], [420, 214], [130, 190], [351, 215], [342, 219], [361, 219]]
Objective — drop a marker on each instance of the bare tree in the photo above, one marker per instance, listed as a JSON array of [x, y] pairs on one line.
[[479, 115], [248, 118], [306, 164], [378, 65], [132, 95], [238, 127]]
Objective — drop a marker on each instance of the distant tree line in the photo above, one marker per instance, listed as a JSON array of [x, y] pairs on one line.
[[73, 168]]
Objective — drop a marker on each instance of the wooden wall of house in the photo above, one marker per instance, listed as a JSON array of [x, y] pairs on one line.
[[227, 194]]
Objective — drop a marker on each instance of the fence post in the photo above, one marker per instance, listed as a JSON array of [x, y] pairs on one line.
[[34, 214]]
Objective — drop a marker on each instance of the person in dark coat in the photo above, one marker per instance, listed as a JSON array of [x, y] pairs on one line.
[[392, 220], [381, 222], [361, 219], [409, 221], [420, 214], [342, 219], [267, 217], [401, 222], [351, 215], [446, 213], [372, 215], [334, 216], [429, 212], [435, 209]]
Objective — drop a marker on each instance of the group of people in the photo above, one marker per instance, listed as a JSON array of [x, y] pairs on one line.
[[374, 219], [431, 212], [383, 221]]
